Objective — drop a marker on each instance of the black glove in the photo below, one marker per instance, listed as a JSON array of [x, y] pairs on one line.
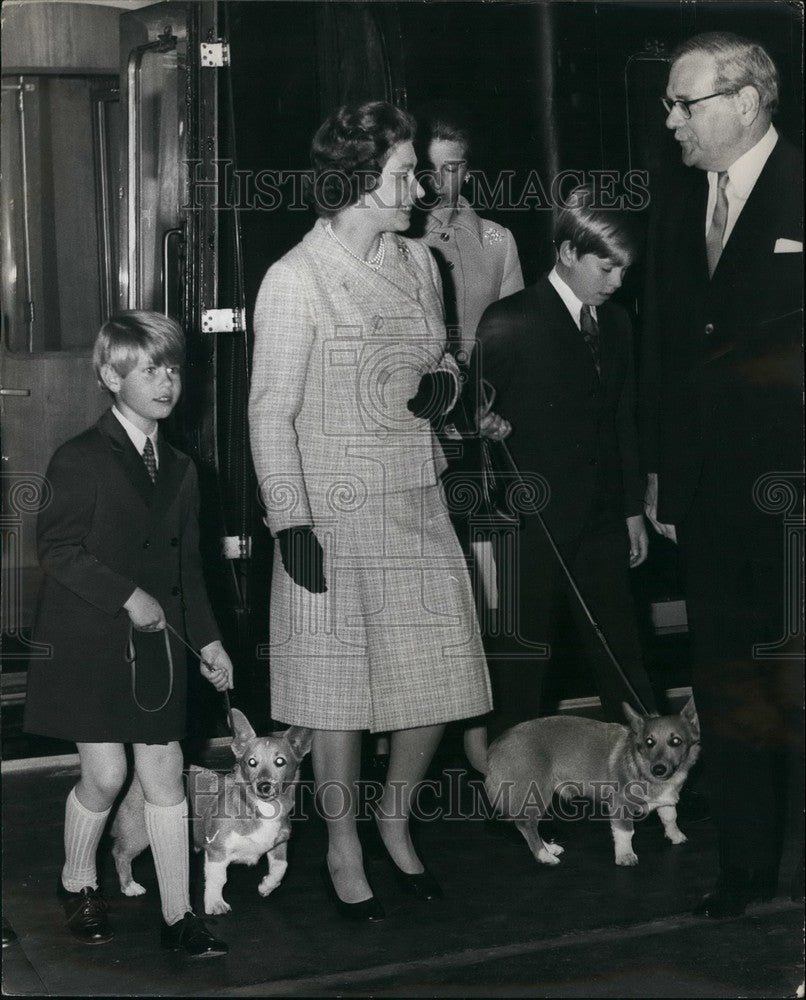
[[434, 394], [303, 557]]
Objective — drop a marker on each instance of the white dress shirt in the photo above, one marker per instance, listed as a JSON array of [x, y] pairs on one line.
[[742, 176], [136, 436], [572, 303]]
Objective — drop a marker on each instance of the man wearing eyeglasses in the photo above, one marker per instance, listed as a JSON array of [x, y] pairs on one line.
[[721, 409]]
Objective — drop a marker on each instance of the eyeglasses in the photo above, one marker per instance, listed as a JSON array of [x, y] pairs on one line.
[[684, 107]]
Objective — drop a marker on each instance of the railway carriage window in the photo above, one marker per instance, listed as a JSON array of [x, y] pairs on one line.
[[59, 210]]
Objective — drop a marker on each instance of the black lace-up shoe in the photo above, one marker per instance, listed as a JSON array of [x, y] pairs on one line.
[[191, 936], [86, 914]]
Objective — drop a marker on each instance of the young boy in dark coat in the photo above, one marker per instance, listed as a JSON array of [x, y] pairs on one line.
[[118, 544]]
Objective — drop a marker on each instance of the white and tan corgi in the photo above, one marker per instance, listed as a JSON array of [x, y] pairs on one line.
[[629, 771], [237, 817]]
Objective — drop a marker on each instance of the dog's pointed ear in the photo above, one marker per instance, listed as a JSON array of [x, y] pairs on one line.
[[634, 720], [689, 713], [243, 732], [300, 739]]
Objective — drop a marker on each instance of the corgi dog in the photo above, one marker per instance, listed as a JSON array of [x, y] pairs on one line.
[[629, 771], [236, 817]]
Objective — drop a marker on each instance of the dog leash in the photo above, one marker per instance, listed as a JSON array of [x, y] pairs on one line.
[[597, 628], [131, 658]]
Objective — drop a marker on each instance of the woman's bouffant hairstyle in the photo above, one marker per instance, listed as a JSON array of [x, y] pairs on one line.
[[591, 228], [739, 63], [350, 149], [125, 334]]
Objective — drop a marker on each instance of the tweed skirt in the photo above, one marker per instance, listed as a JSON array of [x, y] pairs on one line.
[[394, 642]]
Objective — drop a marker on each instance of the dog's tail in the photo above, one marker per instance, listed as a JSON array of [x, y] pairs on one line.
[[202, 798]]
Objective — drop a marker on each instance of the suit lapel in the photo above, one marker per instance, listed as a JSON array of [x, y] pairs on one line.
[[127, 456], [612, 353], [169, 476], [757, 217], [557, 318], [158, 495], [692, 215]]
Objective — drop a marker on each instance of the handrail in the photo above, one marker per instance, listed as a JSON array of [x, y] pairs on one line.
[[26, 221], [166, 42], [166, 238]]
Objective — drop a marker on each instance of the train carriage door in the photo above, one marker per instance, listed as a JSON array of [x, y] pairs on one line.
[[60, 133], [103, 113]]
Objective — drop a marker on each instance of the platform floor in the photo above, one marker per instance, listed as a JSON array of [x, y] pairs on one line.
[[507, 926]]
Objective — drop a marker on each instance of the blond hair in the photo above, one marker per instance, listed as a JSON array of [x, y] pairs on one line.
[[125, 334]]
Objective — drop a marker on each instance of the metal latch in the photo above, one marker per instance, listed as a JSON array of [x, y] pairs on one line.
[[223, 320], [214, 54]]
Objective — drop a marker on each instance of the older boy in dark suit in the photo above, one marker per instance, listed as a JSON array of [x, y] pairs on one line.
[[560, 357]]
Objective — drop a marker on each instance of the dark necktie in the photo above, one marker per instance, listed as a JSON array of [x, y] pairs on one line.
[[715, 236], [150, 459], [590, 332]]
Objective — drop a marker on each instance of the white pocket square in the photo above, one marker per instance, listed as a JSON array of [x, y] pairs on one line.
[[787, 246]]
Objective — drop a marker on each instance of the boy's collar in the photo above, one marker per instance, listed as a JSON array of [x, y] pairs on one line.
[[570, 299], [136, 435]]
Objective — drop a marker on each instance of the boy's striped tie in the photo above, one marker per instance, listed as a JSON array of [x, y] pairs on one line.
[[590, 333], [150, 459]]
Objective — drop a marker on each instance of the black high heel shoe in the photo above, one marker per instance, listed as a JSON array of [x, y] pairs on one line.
[[424, 886], [364, 909]]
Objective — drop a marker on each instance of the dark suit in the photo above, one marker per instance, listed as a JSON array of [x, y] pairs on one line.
[[720, 408], [106, 530], [577, 431]]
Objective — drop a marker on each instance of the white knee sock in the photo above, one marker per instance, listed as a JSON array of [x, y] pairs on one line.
[[168, 836], [82, 831]]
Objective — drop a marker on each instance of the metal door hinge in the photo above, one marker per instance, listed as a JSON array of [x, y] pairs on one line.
[[223, 321], [236, 547], [214, 54]]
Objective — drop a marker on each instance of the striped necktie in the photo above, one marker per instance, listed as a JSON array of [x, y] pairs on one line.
[[150, 460], [719, 220], [590, 333]]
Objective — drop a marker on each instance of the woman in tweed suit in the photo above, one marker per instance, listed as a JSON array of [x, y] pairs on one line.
[[372, 618]]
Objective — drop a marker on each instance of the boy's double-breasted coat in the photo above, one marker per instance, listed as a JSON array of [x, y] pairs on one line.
[[106, 530], [339, 351]]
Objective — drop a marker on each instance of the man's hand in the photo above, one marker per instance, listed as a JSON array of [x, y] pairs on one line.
[[216, 666], [145, 612], [639, 540], [492, 426], [651, 508], [303, 557]]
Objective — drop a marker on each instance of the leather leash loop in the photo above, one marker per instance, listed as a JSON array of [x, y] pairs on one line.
[[131, 658]]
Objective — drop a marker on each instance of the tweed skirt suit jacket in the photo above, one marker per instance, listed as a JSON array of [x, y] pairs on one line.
[[339, 350]]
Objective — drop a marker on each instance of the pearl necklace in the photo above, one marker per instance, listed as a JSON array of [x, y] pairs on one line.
[[375, 262]]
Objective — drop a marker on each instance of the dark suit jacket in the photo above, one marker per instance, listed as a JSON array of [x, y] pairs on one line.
[[106, 530], [573, 428], [721, 358]]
